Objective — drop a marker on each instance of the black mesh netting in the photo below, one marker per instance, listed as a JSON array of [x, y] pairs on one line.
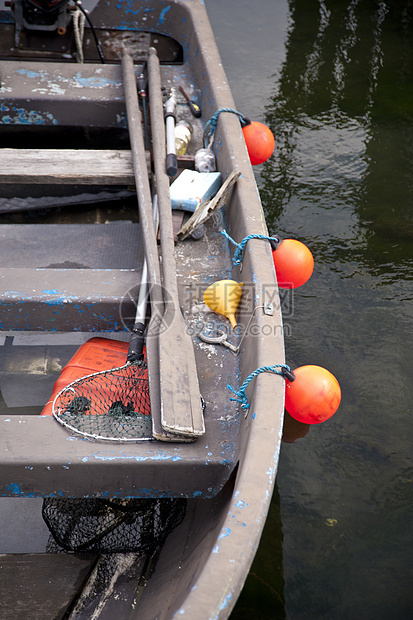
[[112, 525], [127, 536], [113, 404]]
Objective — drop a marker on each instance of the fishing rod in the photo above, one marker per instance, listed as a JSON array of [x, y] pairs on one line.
[[170, 119]]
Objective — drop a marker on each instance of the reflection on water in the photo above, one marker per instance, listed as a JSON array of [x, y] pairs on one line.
[[342, 119], [293, 429], [341, 181]]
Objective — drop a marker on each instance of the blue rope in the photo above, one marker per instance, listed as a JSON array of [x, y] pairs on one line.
[[241, 395], [211, 125], [237, 259]]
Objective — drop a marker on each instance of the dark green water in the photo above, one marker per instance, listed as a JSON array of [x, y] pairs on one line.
[[334, 81]]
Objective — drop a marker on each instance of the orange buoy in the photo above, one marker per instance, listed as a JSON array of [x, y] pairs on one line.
[[314, 396], [260, 142], [293, 263]]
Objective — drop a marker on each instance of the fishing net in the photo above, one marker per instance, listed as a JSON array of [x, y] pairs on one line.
[[111, 525], [125, 535], [113, 404]]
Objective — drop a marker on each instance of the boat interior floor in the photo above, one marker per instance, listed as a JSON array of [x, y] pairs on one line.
[[65, 283]]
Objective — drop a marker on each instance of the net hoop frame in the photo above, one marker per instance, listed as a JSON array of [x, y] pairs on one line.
[[95, 436]]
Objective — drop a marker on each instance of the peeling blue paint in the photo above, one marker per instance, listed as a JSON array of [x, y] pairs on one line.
[[14, 490], [225, 602], [22, 116], [137, 458], [129, 7], [6, 17], [55, 302], [93, 81], [241, 504], [28, 73], [224, 533], [16, 294], [162, 15]]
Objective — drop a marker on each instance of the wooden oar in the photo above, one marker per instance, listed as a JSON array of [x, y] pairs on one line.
[[148, 229], [181, 408]]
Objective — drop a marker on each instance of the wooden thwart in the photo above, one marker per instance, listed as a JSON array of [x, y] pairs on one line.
[[77, 166]]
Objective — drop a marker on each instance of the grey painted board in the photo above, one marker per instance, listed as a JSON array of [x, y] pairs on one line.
[[40, 586], [66, 299], [41, 458], [48, 94], [71, 246]]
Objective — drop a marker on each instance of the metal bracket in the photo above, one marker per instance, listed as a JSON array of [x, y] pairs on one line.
[[220, 339], [268, 308]]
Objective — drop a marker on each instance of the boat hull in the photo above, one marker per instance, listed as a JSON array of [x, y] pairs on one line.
[[228, 476]]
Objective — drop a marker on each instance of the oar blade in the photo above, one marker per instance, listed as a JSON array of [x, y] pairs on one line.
[[181, 405], [158, 432]]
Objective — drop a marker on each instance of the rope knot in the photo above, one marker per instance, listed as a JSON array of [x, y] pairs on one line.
[[211, 125], [237, 258], [278, 369]]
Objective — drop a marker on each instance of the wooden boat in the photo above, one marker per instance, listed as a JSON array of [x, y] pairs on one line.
[[187, 508]]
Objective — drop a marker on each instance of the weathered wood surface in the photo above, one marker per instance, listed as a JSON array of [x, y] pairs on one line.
[[67, 166], [181, 409]]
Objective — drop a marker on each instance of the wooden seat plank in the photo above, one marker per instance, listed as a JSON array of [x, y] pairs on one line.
[[67, 166]]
